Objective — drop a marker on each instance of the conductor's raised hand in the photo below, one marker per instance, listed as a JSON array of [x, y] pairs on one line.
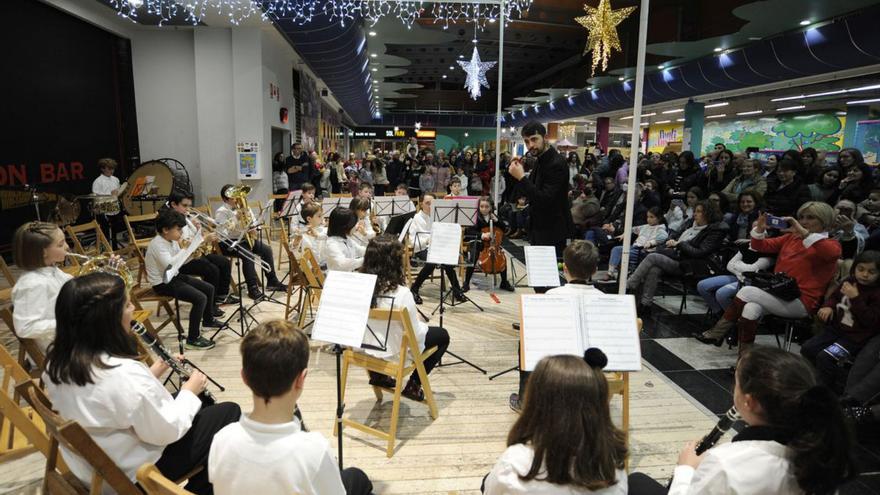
[[516, 169]]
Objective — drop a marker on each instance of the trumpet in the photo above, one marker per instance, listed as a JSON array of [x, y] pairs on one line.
[[178, 367]]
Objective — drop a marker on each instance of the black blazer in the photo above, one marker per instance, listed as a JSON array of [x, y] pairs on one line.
[[706, 243], [547, 188]]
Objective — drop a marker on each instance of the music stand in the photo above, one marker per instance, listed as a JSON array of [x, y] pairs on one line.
[[330, 204], [292, 204], [397, 223], [462, 211], [259, 222]]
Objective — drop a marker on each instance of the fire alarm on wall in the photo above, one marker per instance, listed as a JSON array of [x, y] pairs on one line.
[[283, 115]]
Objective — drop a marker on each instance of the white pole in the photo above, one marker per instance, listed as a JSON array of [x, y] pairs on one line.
[[498, 114], [634, 145]]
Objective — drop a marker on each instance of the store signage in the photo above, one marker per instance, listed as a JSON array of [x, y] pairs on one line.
[[426, 134], [386, 133]]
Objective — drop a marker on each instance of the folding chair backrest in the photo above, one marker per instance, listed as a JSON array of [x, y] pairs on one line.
[[312, 269], [155, 483], [74, 438], [7, 273], [102, 245], [26, 347], [296, 275], [21, 430], [139, 245], [214, 202]]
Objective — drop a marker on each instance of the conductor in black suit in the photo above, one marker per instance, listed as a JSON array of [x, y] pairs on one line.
[[547, 187]]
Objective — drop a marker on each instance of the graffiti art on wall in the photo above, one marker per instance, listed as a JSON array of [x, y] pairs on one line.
[[823, 131]]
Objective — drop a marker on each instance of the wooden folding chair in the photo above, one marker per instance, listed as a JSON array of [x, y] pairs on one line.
[[398, 370], [618, 384], [296, 281], [155, 483], [340, 195], [73, 437], [275, 222], [139, 245], [314, 279], [27, 348], [21, 429], [102, 245], [214, 202]]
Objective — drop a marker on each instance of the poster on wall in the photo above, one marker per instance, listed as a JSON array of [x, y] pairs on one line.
[[659, 136], [822, 131], [868, 139], [311, 111]]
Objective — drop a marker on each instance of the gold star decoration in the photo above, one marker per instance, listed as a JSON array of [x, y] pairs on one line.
[[602, 23]]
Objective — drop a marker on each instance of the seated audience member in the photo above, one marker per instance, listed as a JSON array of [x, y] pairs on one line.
[[564, 441], [790, 194], [519, 218], [868, 211], [165, 251], [213, 268], [748, 180], [740, 223], [796, 440], [579, 261], [384, 258], [585, 211], [852, 317], [94, 377], [37, 249], [825, 188], [686, 176], [341, 251], [805, 253], [857, 184], [310, 234], [476, 232], [849, 233], [269, 450], [650, 235], [680, 215], [720, 173], [695, 244], [228, 216], [420, 239]]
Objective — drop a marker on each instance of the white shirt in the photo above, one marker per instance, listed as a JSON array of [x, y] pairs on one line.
[[368, 235], [160, 255], [223, 215], [105, 186], [343, 254], [127, 412], [33, 300], [317, 243], [585, 289], [420, 231], [750, 467], [252, 457], [517, 460], [400, 298]]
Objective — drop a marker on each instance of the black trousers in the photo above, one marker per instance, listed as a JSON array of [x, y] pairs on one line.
[[247, 266], [215, 269], [111, 226], [438, 337], [829, 371], [194, 291], [191, 451], [429, 268], [642, 484], [356, 482]]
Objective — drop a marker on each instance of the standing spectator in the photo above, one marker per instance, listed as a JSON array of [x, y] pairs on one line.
[[298, 170]]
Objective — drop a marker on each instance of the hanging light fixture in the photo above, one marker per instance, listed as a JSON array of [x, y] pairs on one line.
[[602, 23], [476, 73]]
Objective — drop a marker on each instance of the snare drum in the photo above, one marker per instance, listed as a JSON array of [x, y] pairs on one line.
[[106, 206]]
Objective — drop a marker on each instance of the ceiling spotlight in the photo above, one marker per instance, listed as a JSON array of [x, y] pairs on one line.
[[679, 120], [661, 66], [372, 33], [474, 41], [444, 76], [451, 68], [805, 22], [396, 129], [466, 134], [375, 69], [492, 20], [548, 101], [373, 55], [566, 95], [376, 89], [621, 78], [718, 49], [460, 56]]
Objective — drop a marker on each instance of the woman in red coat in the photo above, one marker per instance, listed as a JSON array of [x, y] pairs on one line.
[[805, 253]]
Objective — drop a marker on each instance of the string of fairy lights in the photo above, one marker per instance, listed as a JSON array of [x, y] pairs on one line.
[[303, 11]]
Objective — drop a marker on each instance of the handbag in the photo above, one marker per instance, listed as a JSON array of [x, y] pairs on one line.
[[700, 268], [778, 284]]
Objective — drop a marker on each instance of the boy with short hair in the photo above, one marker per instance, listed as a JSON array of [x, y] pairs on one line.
[[454, 187], [268, 451], [401, 190], [579, 262]]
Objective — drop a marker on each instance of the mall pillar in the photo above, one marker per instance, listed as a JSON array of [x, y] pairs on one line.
[[692, 140], [603, 125], [853, 115]]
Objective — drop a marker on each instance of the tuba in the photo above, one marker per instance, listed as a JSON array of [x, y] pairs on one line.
[[244, 214]]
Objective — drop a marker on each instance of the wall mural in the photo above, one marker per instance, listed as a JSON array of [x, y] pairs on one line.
[[867, 139], [823, 131]]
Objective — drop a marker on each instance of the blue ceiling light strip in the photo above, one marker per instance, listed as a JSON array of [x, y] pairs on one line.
[[845, 44]]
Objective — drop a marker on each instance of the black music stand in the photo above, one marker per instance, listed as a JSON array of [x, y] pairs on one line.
[[464, 213]]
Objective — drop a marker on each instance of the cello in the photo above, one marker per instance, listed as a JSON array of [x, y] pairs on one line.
[[491, 258]]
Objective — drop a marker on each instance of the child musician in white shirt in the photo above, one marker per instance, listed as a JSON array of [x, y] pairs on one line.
[[420, 239], [226, 217], [310, 233], [37, 248], [343, 253], [579, 262], [363, 231], [163, 252], [107, 184], [94, 377], [269, 451]]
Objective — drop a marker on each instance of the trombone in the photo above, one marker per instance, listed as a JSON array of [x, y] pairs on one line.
[[233, 244]]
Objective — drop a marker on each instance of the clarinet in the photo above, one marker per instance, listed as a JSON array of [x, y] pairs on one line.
[[724, 424], [177, 366]]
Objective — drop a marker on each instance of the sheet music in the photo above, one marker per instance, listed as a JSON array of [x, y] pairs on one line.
[[609, 323], [461, 211], [183, 256], [330, 204], [387, 206], [292, 204], [541, 266], [549, 327], [445, 243], [344, 308]]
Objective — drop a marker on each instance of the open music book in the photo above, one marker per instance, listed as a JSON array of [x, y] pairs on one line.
[[572, 323]]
